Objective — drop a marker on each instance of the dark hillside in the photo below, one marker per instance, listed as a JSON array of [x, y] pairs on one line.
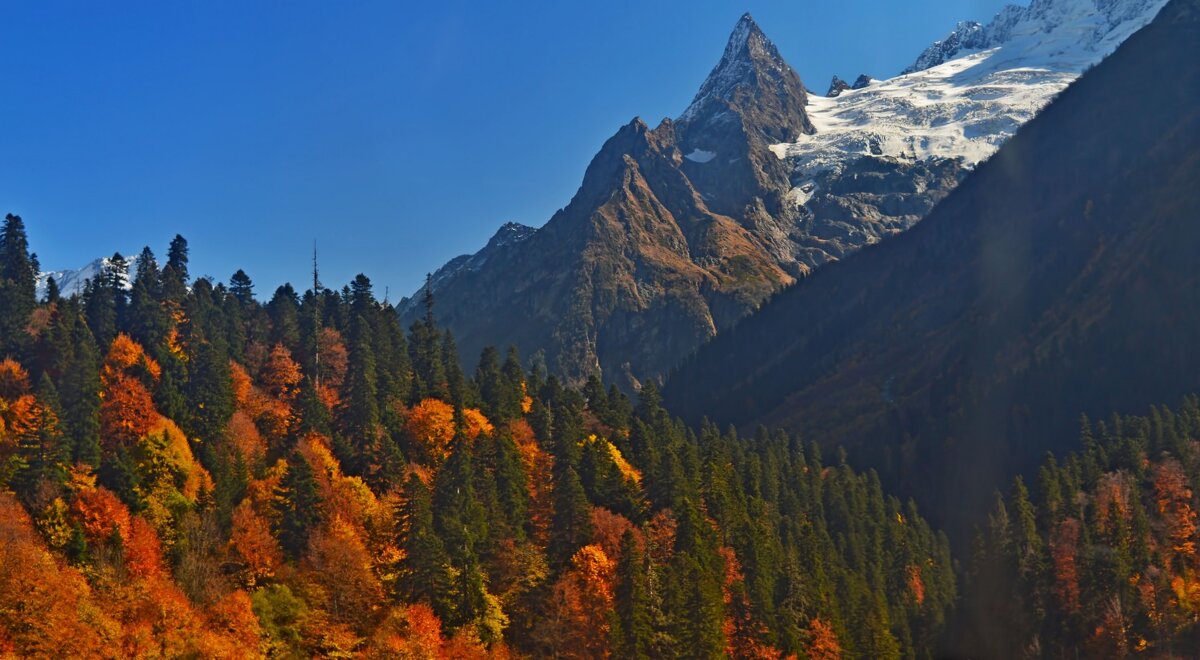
[[1060, 278]]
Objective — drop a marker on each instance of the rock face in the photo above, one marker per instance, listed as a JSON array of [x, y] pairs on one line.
[[1058, 279], [837, 86], [677, 231]]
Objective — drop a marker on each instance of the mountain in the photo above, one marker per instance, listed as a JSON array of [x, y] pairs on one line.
[[1058, 279], [675, 232], [1045, 32], [969, 92], [71, 282], [680, 230]]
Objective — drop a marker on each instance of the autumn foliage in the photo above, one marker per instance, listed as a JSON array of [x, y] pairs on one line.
[[186, 471]]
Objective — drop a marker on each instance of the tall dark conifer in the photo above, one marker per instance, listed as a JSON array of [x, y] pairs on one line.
[[632, 629], [18, 283]]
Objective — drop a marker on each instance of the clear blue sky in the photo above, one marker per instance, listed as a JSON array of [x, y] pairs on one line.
[[397, 135]]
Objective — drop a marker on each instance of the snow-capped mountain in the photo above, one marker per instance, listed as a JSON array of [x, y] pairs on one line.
[[71, 282], [968, 93]]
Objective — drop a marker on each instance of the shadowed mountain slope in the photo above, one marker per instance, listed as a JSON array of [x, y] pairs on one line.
[[1058, 279]]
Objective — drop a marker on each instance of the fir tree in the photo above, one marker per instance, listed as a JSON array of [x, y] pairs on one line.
[[632, 630], [298, 507], [572, 525], [424, 574], [18, 283]]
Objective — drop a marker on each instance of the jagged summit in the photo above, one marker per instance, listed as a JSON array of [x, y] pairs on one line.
[[837, 86], [967, 35], [750, 67]]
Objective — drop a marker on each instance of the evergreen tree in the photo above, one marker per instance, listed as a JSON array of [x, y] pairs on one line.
[[148, 319], [424, 574], [242, 287], [18, 282], [298, 507], [79, 388], [209, 394], [284, 312], [632, 630], [572, 524], [425, 343], [52, 292], [43, 454], [361, 400]]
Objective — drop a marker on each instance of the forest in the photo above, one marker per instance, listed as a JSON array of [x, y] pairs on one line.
[[189, 472], [1099, 560]]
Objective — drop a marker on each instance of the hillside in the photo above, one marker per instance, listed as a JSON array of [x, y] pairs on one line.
[[1058, 279], [633, 275], [186, 471], [676, 232]]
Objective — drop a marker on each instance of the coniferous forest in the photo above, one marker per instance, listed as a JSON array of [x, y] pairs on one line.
[[190, 471], [908, 370]]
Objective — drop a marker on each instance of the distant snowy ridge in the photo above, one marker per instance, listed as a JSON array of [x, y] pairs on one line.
[[968, 93], [71, 282], [1046, 27]]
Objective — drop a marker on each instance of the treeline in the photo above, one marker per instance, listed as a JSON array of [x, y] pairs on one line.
[[188, 471], [1100, 559]]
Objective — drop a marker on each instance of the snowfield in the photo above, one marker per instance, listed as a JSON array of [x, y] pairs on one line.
[[969, 100]]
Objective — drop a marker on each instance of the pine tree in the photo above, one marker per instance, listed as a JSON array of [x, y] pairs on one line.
[[424, 574], [298, 507], [52, 293], [209, 394], [79, 388], [242, 287], [43, 454], [148, 319], [360, 414], [456, 382], [490, 382], [425, 343], [572, 525], [632, 630], [284, 312], [17, 285]]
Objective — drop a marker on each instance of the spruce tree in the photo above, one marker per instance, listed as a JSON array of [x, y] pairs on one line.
[[425, 343], [572, 524], [632, 630], [242, 287], [424, 574], [79, 389], [18, 283], [360, 414], [148, 320], [43, 454], [298, 507]]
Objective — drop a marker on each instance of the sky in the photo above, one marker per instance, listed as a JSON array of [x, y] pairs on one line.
[[394, 135]]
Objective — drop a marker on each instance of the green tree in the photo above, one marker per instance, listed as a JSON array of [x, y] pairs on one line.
[[298, 507], [18, 275], [632, 629], [424, 574]]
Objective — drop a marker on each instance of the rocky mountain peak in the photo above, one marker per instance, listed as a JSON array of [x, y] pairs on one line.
[[751, 72], [836, 87], [509, 233], [861, 81]]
